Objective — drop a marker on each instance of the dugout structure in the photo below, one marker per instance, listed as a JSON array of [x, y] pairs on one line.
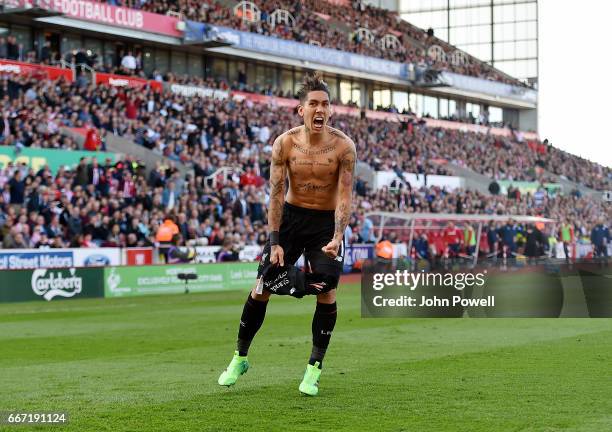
[[408, 225]]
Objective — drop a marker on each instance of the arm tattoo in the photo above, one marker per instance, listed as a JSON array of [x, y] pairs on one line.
[[277, 186], [345, 191]]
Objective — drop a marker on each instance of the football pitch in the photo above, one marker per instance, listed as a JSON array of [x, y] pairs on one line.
[[151, 364]]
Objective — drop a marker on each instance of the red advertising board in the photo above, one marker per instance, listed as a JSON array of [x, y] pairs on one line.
[[138, 256], [126, 81], [21, 68], [104, 13], [263, 99]]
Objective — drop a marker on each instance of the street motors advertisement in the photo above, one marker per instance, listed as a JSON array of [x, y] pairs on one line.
[[18, 259], [164, 279], [51, 284]]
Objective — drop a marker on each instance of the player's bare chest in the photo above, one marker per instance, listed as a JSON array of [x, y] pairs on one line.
[[319, 162]]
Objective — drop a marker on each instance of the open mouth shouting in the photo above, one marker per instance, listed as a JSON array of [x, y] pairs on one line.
[[318, 122]]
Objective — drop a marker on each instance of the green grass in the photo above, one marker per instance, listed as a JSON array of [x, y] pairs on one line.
[[151, 364]]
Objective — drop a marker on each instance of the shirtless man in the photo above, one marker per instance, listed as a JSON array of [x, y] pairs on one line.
[[319, 162]]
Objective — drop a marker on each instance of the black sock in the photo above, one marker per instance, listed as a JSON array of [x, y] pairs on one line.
[[252, 318], [323, 323]]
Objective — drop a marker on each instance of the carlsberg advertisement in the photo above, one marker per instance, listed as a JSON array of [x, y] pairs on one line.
[[51, 284]]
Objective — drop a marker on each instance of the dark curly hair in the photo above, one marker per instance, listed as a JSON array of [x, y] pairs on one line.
[[312, 82]]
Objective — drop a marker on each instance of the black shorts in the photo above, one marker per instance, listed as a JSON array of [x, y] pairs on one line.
[[306, 231]]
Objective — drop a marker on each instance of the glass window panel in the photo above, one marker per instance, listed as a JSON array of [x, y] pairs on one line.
[[22, 34], [332, 84], [504, 32], [297, 83], [287, 82], [452, 107], [376, 99], [430, 106], [419, 105], [472, 108], [459, 17], [504, 50], [234, 66], [463, 3], [480, 51], [162, 61], [385, 98], [412, 102], [251, 74], [503, 13], [531, 11], [356, 97], [70, 42], [506, 66], [532, 30], [95, 46], [520, 12], [148, 59], [508, 33], [532, 48], [484, 33], [459, 35], [442, 33], [400, 100], [426, 19], [345, 92], [471, 16], [484, 15], [532, 68], [520, 48], [521, 30], [434, 4], [260, 75], [443, 108], [495, 114], [179, 63], [195, 66]]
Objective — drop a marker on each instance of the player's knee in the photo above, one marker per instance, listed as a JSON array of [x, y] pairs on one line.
[[264, 296], [328, 297]]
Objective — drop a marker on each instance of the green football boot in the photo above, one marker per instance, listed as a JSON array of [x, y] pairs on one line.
[[238, 366], [310, 383]]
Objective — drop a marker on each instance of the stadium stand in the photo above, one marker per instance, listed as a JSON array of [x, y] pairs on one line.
[[116, 204], [333, 26]]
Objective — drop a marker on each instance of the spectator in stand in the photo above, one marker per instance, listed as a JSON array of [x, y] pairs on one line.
[[128, 62], [17, 189], [12, 49], [453, 237], [566, 234], [507, 234], [3, 48], [600, 237]]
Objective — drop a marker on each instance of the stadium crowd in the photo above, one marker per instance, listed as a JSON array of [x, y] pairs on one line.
[[195, 129], [332, 26], [116, 204]]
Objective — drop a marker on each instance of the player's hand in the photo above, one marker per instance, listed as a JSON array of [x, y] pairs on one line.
[[277, 255], [331, 249]]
